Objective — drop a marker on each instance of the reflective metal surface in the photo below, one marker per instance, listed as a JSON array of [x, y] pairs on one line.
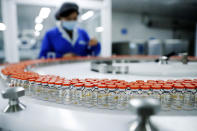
[[184, 58], [144, 109], [163, 60], [13, 95]]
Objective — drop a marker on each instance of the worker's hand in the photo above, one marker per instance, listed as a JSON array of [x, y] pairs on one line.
[[93, 42], [68, 55]]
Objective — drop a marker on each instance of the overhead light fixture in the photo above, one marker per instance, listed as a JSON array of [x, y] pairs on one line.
[[38, 20], [87, 15], [44, 12], [36, 33], [2, 27], [99, 29], [38, 27]]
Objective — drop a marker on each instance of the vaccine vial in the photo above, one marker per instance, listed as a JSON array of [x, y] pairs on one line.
[[37, 88], [145, 91], [178, 97], [156, 92], [30, 89], [51, 90], [24, 83], [45, 91], [166, 97], [122, 97], [59, 94], [95, 94], [73, 89], [189, 97], [112, 97], [134, 92], [102, 96], [78, 94], [12, 81], [88, 101], [67, 96]]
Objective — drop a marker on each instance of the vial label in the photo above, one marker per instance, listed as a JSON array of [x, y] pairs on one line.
[[67, 96], [177, 101], [188, 101], [102, 100], [122, 101], [112, 100], [166, 101]]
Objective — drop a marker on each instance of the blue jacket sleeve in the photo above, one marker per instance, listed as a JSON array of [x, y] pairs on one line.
[[95, 50], [46, 46], [92, 50]]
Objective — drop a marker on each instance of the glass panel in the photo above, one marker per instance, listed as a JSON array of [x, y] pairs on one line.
[[93, 24], [2, 56], [29, 40]]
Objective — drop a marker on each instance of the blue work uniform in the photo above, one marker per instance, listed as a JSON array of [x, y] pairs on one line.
[[57, 40]]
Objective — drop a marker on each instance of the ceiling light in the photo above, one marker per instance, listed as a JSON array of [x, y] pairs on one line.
[[38, 27], [99, 29], [37, 33], [38, 20], [44, 12], [87, 15], [2, 27]]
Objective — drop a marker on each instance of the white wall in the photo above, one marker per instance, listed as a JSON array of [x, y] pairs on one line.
[[136, 29]]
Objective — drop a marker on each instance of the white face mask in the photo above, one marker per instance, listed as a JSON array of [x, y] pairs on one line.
[[69, 25]]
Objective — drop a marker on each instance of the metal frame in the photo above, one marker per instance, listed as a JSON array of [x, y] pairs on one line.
[[10, 19]]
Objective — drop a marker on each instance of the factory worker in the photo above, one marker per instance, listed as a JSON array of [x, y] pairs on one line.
[[66, 39]]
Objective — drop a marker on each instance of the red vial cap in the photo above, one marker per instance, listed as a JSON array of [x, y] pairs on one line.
[[170, 81], [114, 79], [58, 82], [66, 83], [157, 84], [134, 87], [32, 79], [74, 82], [38, 80], [151, 81], [51, 82], [158, 81], [145, 87], [139, 84], [167, 87], [67, 80], [111, 86], [187, 79], [111, 83], [156, 87], [178, 86], [101, 86], [75, 79], [89, 85], [179, 81], [103, 82], [190, 86], [168, 84], [96, 84], [148, 84], [140, 81], [132, 83], [45, 81], [78, 85], [120, 86]]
